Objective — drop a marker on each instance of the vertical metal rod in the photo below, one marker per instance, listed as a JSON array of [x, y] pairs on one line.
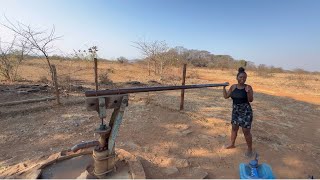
[[183, 83], [56, 86], [96, 72], [102, 109], [96, 78]]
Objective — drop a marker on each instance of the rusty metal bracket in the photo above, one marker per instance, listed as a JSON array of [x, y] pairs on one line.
[[115, 122], [111, 102], [101, 104], [102, 107]]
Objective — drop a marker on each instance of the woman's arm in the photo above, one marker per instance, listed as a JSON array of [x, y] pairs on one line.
[[226, 94], [249, 91]]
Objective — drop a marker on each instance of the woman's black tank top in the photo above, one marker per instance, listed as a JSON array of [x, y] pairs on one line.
[[239, 96]]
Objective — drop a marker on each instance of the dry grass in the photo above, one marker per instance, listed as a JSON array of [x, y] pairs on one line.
[[305, 87], [285, 119]]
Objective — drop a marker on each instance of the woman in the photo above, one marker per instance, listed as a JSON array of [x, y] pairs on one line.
[[242, 95]]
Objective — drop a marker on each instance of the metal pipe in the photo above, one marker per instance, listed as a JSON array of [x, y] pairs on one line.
[[148, 89], [84, 145]]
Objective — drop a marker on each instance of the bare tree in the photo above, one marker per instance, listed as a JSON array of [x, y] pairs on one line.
[[11, 56], [122, 60], [39, 41], [154, 52]]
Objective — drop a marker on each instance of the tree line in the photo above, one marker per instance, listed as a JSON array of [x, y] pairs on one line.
[[30, 43], [159, 56]]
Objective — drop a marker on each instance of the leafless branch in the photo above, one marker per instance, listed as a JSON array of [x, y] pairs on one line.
[[39, 41], [11, 56], [153, 51]]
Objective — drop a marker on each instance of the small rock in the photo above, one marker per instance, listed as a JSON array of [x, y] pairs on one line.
[[274, 146], [23, 86], [186, 132], [171, 171], [121, 144], [181, 163], [137, 83], [223, 135], [154, 82], [33, 90], [132, 145], [22, 92], [182, 127], [43, 87], [145, 149]]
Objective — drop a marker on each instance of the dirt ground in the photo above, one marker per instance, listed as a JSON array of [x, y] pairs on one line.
[[286, 127]]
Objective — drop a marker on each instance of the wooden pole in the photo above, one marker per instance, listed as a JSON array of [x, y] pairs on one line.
[[56, 86], [96, 72], [149, 67], [183, 83]]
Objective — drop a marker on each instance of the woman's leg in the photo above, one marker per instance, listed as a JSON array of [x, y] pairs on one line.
[[234, 133], [248, 136]]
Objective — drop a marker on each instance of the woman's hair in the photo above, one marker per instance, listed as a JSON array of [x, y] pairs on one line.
[[241, 70]]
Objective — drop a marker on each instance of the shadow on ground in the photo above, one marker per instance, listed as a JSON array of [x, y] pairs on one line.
[[285, 134]]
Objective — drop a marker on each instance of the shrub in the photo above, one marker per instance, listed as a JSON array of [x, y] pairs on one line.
[[104, 78], [264, 71], [65, 82], [43, 79], [122, 60], [300, 71], [192, 75], [110, 70]]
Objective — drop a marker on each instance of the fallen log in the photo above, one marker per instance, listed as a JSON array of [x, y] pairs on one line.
[[27, 101]]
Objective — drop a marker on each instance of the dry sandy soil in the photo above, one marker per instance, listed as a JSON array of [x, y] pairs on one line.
[[286, 127]]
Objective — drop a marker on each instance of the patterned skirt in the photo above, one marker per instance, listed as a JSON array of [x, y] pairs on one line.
[[242, 115]]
